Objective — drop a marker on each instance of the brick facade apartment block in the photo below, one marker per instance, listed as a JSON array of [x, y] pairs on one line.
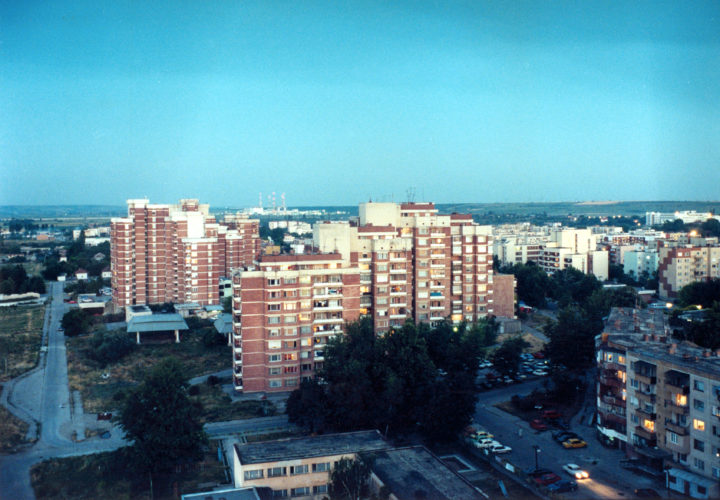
[[176, 253]]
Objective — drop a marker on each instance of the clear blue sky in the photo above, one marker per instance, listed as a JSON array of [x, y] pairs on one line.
[[335, 102]]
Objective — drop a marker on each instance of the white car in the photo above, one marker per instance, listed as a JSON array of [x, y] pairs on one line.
[[540, 373], [500, 448], [485, 443], [575, 471]]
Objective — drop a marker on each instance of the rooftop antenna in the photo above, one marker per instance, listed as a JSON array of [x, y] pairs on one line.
[[410, 193], [283, 208]]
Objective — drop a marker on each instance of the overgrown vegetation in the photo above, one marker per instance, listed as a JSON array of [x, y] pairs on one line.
[[102, 384], [79, 256], [702, 297], [77, 322], [20, 339], [12, 431], [15, 280], [113, 475], [414, 378]]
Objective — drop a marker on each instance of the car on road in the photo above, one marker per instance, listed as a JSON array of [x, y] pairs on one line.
[[483, 435], [538, 424], [484, 443], [540, 373], [574, 443], [539, 355], [562, 486], [576, 471]]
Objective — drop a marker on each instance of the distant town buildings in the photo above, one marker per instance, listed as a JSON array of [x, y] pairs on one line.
[[659, 400], [687, 216], [176, 253], [681, 265]]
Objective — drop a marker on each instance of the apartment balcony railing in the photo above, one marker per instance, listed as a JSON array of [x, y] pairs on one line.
[[645, 379], [682, 430], [646, 397], [645, 433], [613, 400], [611, 381]]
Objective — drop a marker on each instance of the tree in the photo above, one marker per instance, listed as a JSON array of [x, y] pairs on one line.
[[308, 406], [506, 359], [76, 322], [532, 283], [702, 293], [109, 347], [349, 479], [161, 421], [572, 339]]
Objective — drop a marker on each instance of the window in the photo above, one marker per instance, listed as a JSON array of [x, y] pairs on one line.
[[290, 281], [273, 320], [289, 318], [273, 358], [699, 445], [716, 472], [680, 400], [634, 383], [275, 383], [253, 474], [649, 425], [298, 469], [699, 386], [320, 489], [321, 467], [277, 471], [274, 344], [299, 492], [699, 464], [273, 282], [698, 425], [673, 438], [698, 405], [274, 371], [279, 493], [701, 489]]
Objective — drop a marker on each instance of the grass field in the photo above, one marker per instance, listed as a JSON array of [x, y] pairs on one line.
[[86, 375], [107, 476], [20, 338], [12, 431]]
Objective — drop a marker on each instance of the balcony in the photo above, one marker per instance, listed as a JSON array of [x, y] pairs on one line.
[[646, 397], [437, 318], [681, 430], [324, 321], [327, 294], [437, 308], [399, 279], [676, 408], [647, 415], [644, 433], [398, 316], [613, 400], [611, 381], [398, 259]]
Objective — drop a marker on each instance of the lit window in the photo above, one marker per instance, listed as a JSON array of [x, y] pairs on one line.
[[649, 425], [698, 425], [680, 400]]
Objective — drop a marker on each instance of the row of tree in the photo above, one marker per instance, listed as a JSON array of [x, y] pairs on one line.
[[413, 378], [14, 279], [710, 227]]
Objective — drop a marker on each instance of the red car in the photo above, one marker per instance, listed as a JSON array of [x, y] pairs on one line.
[[543, 477], [538, 425], [539, 355], [551, 414]]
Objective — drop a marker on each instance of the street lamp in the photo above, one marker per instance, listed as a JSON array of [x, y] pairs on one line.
[[537, 450]]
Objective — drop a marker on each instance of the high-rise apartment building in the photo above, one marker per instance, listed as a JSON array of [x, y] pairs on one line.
[[398, 262], [681, 265], [176, 253], [658, 400], [284, 311]]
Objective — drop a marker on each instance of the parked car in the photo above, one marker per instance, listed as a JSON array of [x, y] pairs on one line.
[[561, 436], [551, 414], [540, 373], [538, 425], [105, 415], [562, 486], [485, 443], [575, 471], [483, 435], [647, 493], [539, 355], [574, 443], [546, 478], [500, 448]]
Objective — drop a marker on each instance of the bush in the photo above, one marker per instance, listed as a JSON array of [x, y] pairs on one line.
[[212, 380], [211, 338], [76, 322], [194, 390], [108, 348]]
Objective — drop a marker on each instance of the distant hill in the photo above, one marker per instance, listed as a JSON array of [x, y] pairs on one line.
[[596, 208]]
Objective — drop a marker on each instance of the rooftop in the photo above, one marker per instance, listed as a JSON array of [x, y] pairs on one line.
[[308, 447], [156, 323], [414, 472]]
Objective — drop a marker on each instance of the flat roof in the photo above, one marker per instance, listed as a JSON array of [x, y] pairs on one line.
[[157, 323], [308, 447], [229, 494], [409, 471]]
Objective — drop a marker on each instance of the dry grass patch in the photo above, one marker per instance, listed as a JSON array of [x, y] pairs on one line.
[[86, 374], [535, 343], [12, 431], [20, 339], [219, 407]]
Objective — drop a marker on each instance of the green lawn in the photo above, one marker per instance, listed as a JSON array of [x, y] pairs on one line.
[[20, 338]]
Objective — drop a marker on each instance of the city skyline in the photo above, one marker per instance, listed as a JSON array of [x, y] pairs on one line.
[[333, 105]]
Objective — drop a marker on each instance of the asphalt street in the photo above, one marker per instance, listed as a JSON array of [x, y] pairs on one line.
[[607, 478]]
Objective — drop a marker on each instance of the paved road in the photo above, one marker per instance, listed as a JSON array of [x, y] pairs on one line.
[[608, 479], [42, 395]]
